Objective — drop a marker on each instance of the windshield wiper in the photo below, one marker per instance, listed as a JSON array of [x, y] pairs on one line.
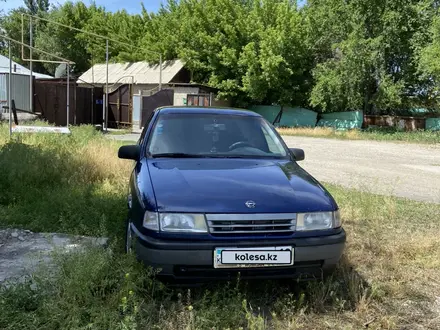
[[175, 155]]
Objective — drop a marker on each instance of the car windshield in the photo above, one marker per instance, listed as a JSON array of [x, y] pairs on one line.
[[214, 135]]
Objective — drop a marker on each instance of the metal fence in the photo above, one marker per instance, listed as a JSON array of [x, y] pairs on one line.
[[19, 91]]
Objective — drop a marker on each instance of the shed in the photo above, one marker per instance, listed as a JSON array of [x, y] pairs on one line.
[[144, 78], [134, 89], [18, 69]]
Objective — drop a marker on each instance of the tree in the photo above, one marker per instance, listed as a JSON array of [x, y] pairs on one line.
[[63, 41], [120, 26], [252, 51], [334, 55], [427, 46], [36, 6], [373, 63], [275, 62], [11, 24]]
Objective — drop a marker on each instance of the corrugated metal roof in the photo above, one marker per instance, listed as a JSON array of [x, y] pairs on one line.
[[142, 72], [20, 69]]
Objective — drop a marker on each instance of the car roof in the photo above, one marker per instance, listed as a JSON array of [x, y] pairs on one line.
[[206, 110]]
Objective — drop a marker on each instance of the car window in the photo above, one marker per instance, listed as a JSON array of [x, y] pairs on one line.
[[214, 135], [271, 142], [145, 129]]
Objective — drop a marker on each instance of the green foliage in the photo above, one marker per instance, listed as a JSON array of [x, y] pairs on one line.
[[94, 290], [373, 62], [333, 55], [62, 41], [249, 50], [49, 183], [429, 55], [71, 183], [36, 6]]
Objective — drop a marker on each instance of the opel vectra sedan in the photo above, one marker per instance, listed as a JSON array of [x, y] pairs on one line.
[[216, 192]]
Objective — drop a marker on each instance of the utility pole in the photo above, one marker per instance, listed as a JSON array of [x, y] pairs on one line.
[[68, 94], [9, 90], [31, 94], [106, 86], [160, 72], [105, 104]]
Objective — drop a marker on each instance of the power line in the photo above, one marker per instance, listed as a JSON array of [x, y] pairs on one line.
[[61, 59], [87, 32], [105, 119]]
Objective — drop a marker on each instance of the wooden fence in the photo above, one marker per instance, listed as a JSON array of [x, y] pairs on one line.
[[50, 100]]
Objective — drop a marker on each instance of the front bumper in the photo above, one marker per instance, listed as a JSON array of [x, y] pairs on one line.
[[193, 261]]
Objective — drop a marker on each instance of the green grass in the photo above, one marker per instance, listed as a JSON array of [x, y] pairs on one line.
[[65, 183], [377, 134], [389, 277]]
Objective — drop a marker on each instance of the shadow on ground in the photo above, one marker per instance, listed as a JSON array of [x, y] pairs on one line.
[[341, 291]]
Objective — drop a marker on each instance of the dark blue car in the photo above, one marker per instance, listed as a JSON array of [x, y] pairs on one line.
[[216, 192]]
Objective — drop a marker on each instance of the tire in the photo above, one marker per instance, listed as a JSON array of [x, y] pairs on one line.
[[129, 238]]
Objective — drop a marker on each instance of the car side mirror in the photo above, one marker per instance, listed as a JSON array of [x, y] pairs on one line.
[[298, 154], [129, 152]]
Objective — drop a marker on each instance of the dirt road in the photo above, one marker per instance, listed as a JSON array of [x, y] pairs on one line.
[[400, 169]]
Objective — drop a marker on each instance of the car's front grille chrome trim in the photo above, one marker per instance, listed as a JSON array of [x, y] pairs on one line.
[[249, 224]]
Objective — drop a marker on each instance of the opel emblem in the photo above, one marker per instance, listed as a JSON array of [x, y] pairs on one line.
[[250, 204]]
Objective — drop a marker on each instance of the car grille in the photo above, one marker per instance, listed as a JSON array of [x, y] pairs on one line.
[[279, 224]]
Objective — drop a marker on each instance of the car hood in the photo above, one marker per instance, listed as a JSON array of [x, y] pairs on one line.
[[225, 185]]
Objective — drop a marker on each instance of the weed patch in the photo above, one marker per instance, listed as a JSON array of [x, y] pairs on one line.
[[389, 277], [73, 184]]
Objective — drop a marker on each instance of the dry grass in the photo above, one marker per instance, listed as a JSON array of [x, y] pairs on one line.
[[54, 182], [385, 134], [320, 132], [389, 277]]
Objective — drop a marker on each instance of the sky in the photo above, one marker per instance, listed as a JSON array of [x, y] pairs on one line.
[[131, 6]]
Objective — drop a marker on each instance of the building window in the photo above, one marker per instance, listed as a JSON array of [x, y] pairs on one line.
[[202, 100]]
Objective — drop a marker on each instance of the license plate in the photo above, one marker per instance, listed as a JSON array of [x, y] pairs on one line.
[[253, 257]]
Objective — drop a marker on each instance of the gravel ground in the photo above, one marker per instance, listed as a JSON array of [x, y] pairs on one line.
[[400, 169], [20, 117], [21, 251]]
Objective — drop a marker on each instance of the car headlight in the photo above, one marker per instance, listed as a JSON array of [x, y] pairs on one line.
[[176, 222], [318, 221], [151, 221]]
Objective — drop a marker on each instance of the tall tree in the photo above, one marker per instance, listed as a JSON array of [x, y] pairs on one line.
[[427, 46], [250, 50], [335, 55], [36, 6], [11, 24], [372, 65], [65, 42]]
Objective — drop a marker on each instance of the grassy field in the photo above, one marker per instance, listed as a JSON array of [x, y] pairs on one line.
[[428, 137], [389, 277]]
